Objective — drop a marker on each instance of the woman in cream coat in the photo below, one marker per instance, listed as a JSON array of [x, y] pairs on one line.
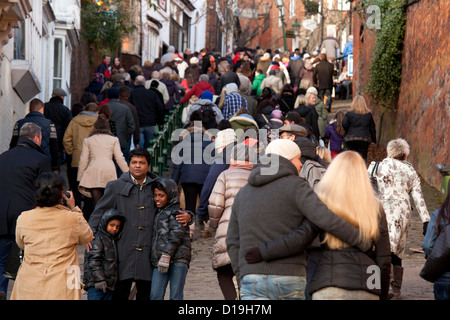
[[49, 235], [221, 200], [96, 167]]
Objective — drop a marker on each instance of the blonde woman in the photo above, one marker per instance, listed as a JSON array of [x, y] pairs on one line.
[[344, 272], [397, 183], [359, 127]]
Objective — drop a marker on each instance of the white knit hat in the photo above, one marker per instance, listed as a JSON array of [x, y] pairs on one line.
[[284, 148], [224, 137]]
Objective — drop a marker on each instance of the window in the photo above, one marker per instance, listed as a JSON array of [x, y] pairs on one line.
[[291, 8], [19, 41], [57, 63]]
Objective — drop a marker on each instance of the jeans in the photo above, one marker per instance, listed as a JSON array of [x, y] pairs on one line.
[[272, 287], [5, 245], [146, 136], [326, 92], [94, 294], [176, 276], [442, 289]]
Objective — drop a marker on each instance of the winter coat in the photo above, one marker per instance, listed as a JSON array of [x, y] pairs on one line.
[[20, 168], [359, 127], [307, 73], [228, 77], [335, 139], [264, 115], [60, 115], [286, 102], [169, 236], [397, 182], [261, 213], [136, 134], [221, 200], [96, 167], [137, 205], [50, 269], [124, 121], [322, 119], [352, 269], [100, 263], [295, 66], [331, 45], [272, 82], [263, 65], [174, 93], [311, 116], [197, 90], [256, 86], [149, 108], [189, 160], [78, 129], [49, 141], [323, 75]]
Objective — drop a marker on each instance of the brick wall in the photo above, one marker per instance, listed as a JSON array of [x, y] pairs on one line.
[[422, 114]]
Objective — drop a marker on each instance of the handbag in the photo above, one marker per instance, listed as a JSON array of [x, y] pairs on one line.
[[373, 178], [13, 262], [438, 262]]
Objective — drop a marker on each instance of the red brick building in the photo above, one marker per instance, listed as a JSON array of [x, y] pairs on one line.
[[422, 113]]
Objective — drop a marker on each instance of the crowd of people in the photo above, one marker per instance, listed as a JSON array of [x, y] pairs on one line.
[[314, 227]]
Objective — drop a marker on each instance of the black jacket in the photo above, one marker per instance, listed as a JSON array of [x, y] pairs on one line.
[[169, 236], [100, 263], [60, 115], [20, 168], [359, 126], [149, 108]]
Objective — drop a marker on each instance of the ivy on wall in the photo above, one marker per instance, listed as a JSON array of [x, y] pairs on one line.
[[386, 66]]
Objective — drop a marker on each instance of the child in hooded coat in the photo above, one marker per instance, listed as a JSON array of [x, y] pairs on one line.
[[171, 244], [100, 263]]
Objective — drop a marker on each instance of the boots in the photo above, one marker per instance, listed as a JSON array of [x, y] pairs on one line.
[[396, 282]]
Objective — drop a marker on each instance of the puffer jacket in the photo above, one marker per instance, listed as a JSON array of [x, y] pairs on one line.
[[221, 200], [100, 263], [169, 236], [360, 126]]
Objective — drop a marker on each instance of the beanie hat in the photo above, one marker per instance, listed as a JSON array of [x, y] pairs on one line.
[[284, 148], [194, 60], [277, 114], [231, 87], [224, 137], [207, 95]]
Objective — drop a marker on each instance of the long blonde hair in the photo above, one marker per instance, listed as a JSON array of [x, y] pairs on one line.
[[359, 105], [346, 190]]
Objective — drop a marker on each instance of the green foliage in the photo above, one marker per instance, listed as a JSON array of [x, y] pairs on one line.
[[105, 25], [386, 65], [311, 7]]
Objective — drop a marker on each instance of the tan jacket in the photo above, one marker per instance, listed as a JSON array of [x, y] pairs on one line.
[[78, 129], [227, 186], [96, 167], [273, 82], [49, 237]]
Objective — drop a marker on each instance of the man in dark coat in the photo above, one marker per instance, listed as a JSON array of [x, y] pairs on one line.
[[132, 195], [60, 115], [21, 166], [49, 142], [227, 77], [149, 108], [323, 77]]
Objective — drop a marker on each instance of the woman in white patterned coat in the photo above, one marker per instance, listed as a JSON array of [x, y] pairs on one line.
[[397, 182]]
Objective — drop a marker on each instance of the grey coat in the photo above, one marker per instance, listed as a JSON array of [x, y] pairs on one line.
[[137, 205]]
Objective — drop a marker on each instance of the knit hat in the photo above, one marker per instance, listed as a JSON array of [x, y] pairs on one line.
[[224, 138], [193, 60], [284, 148], [207, 95], [277, 114], [312, 90]]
